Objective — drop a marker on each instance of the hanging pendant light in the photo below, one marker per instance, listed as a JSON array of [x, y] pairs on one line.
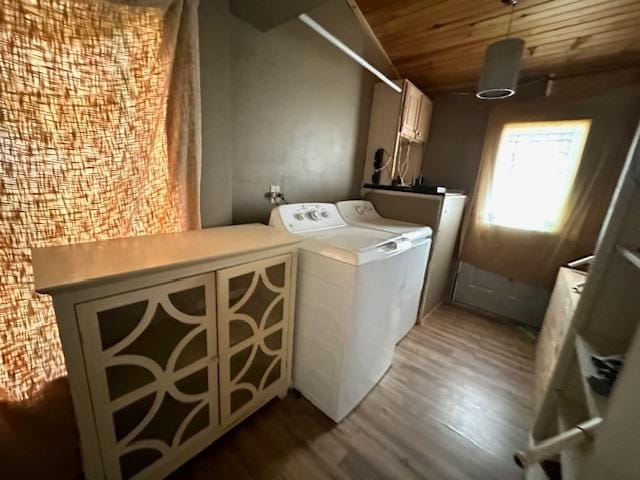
[[501, 67]]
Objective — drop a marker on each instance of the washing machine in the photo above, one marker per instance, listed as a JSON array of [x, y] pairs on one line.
[[344, 330], [406, 305]]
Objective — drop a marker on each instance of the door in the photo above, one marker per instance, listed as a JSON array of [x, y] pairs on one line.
[[410, 111], [151, 358], [254, 334], [424, 119]]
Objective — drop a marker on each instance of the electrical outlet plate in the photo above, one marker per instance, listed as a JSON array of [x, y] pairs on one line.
[[274, 194]]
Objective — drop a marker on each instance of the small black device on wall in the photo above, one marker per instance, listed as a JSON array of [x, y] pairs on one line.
[[378, 162]]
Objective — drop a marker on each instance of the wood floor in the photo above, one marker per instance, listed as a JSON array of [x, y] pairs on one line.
[[455, 405]]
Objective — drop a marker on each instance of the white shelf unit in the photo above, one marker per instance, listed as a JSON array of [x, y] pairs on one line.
[[570, 413], [605, 322], [632, 257], [596, 404]]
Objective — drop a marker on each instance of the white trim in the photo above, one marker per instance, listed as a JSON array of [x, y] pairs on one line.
[[336, 42]]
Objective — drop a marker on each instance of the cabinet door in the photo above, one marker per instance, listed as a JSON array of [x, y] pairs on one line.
[[410, 111], [424, 119], [254, 327], [151, 357]]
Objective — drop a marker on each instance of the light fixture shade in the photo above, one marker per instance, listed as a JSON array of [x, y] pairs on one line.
[[501, 69]]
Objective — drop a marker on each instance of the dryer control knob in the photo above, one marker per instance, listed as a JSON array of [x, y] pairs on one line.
[[314, 215], [325, 214], [298, 216]]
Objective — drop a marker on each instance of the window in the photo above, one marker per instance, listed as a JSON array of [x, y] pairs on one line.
[[535, 167]]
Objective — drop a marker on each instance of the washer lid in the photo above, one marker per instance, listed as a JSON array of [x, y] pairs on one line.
[[354, 245], [364, 214]]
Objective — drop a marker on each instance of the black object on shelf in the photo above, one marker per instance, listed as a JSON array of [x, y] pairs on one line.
[[378, 162], [426, 189], [608, 368]]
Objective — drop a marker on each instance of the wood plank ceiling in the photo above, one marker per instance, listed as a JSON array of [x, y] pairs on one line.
[[439, 44]]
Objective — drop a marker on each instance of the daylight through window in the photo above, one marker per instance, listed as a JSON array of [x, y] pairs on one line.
[[535, 167]]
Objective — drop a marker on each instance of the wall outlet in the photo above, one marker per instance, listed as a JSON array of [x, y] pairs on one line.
[[274, 195]]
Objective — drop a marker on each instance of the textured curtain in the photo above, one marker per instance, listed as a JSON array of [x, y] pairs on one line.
[[99, 139], [533, 257]]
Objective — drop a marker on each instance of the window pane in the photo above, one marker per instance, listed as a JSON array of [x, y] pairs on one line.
[[534, 171]]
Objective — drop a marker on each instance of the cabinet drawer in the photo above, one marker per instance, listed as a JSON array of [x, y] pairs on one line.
[[152, 366], [254, 334]]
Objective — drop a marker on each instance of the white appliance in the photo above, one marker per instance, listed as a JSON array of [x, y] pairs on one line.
[[363, 213], [348, 278]]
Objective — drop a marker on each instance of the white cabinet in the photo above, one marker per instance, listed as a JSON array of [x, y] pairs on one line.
[[170, 340], [151, 360], [398, 126], [253, 313], [416, 114], [410, 111], [424, 119]]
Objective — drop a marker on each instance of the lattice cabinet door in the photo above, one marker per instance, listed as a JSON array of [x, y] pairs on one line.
[[152, 367], [254, 326]]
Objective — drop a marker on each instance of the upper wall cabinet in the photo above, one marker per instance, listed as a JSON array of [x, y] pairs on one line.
[[424, 119], [416, 113], [399, 127]]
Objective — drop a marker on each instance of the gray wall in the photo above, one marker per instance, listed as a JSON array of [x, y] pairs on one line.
[[215, 80], [456, 138], [300, 111]]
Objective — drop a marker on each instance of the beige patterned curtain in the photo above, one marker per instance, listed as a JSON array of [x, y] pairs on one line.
[[99, 139]]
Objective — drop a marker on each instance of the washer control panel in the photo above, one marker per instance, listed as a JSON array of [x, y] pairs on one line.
[[357, 210], [301, 217]]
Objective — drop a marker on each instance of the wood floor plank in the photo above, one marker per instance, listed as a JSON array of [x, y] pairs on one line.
[[456, 404]]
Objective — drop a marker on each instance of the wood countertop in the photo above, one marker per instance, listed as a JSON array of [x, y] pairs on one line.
[[74, 265]]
